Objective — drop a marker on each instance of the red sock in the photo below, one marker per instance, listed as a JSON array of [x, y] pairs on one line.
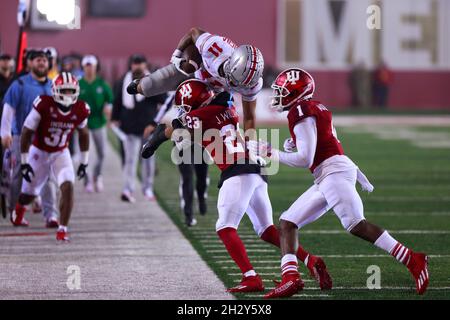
[[235, 248], [20, 209], [401, 253], [271, 235]]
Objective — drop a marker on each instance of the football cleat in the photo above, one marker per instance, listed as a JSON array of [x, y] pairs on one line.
[[248, 284], [418, 266], [62, 236], [17, 217], [318, 270], [290, 284], [149, 195], [127, 197], [98, 185]]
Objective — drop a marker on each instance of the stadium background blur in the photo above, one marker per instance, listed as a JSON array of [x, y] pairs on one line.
[[328, 38]]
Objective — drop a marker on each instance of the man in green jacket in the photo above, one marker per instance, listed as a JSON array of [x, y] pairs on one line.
[[98, 95]]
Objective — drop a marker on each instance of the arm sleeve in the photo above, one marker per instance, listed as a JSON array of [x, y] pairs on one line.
[[306, 141], [32, 120], [7, 118]]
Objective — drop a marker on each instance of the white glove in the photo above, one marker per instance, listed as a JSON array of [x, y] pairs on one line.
[[182, 141], [289, 145], [259, 148], [177, 59]]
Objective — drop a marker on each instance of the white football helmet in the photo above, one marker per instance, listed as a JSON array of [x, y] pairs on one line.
[[244, 67]]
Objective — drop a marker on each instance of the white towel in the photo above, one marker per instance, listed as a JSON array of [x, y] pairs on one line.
[[127, 99]]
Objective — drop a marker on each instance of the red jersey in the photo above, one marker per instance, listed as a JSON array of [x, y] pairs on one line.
[[328, 144], [55, 127], [219, 126]]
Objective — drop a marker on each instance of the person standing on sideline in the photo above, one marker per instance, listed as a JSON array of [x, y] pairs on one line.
[[135, 115], [98, 95], [18, 102]]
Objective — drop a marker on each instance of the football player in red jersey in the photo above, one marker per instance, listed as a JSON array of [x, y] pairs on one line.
[[45, 137], [319, 149], [243, 189]]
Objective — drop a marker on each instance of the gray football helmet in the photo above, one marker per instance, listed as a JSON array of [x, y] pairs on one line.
[[244, 67]]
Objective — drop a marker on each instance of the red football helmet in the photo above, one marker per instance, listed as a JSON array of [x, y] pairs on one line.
[[65, 89], [190, 95], [291, 85]]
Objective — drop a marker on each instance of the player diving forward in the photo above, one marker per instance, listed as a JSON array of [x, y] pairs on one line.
[[226, 67], [335, 176], [52, 121], [242, 187]]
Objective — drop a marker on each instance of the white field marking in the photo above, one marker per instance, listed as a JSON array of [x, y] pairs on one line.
[[392, 120], [259, 268], [271, 280], [250, 245], [229, 261], [302, 295], [421, 139], [278, 274], [248, 251], [365, 288], [408, 214], [331, 231], [407, 198], [342, 256]]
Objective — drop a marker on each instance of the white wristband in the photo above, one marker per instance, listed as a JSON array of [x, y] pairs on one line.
[[24, 158], [84, 157]]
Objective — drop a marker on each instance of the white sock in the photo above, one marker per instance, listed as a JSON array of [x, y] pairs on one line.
[[386, 242], [289, 263], [250, 273], [395, 248], [62, 228]]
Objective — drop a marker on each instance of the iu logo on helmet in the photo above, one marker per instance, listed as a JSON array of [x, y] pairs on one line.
[[186, 91], [293, 76]]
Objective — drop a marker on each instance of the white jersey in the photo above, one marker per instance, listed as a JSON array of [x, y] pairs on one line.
[[215, 50]]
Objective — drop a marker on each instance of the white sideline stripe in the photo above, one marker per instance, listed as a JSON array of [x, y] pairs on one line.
[[220, 245], [343, 231], [276, 262], [345, 256]]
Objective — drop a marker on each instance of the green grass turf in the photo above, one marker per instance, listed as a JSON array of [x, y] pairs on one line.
[[412, 192]]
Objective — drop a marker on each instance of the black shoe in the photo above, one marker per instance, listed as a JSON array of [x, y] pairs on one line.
[[203, 207], [191, 222]]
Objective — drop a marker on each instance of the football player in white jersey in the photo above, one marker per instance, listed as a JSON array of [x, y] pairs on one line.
[[226, 67]]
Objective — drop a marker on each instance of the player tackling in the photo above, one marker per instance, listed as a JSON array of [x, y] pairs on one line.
[[242, 187], [226, 67], [335, 175], [45, 137]]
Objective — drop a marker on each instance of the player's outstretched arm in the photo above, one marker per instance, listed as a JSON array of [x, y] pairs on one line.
[[189, 38], [249, 110]]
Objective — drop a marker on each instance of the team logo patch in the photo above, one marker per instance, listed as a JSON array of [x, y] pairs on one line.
[[186, 91], [293, 76]]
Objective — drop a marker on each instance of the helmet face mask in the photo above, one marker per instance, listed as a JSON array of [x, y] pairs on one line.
[[65, 90], [244, 68]]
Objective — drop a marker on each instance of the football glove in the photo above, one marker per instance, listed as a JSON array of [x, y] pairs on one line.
[[289, 145], [27, 172], [132, 88], [177, 59], [81, 172]]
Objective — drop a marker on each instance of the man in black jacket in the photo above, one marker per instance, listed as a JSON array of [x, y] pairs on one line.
[[134, 115]]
